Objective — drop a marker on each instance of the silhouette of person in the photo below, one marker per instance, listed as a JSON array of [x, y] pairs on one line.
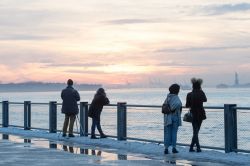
[[95, 109], [70, 96], [194, 101]]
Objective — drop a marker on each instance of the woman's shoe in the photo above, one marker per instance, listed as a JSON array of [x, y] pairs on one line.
[[198, 150], [103, 136], [166, 151], [174, 150], [93, 137], [191, 150]]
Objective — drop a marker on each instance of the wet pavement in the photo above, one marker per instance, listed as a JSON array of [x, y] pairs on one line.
[[17, 150]]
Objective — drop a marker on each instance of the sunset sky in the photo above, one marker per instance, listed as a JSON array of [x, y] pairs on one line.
[[121, 41]]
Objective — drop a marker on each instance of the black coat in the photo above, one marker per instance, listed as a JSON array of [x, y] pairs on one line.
[[96, 106], [195, 101], [70, 96]]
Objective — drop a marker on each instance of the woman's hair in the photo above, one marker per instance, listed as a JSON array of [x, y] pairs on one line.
[[174, 89], [196, 83], [100, 91]]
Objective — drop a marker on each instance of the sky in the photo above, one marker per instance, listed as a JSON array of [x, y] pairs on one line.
[[119, 42]]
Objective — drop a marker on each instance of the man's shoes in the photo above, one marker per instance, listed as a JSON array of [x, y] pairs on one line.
[[191, 150], [93, 137], [174, 150], [63, 135], [198, 150], [103, 136], [166, 151], [71, 135]]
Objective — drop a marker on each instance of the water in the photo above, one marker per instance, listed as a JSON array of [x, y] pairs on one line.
[[216, 97], [144, 122]]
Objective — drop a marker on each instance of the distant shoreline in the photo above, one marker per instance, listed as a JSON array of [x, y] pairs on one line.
[[44, 87]]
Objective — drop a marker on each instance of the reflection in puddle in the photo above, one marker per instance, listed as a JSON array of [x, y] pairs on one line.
[[27, 140], [5, 136], [92, 151], [70, 149], [87, 150], [52, 145]]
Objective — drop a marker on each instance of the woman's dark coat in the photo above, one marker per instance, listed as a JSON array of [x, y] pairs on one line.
[[96, 106], [70, 96], [195, 101]]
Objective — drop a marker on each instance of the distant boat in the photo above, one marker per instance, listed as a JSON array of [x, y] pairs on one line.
[[222, 86], [185, 87]]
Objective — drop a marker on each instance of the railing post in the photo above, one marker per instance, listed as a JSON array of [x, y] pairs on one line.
[[121, 121], [230, 123], [84, 119], [27, 115], [52, 117], [5, 113]]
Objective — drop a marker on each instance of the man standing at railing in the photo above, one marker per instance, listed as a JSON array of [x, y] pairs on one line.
[[70, 96]]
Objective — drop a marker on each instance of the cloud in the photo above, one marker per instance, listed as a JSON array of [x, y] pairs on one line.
[[18, 58], [133, 21], [74, 65], [186, 64], [83, 72], [195, 49], [226, 8], [23, 37]]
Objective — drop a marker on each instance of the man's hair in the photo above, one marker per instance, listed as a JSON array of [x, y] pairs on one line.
[[70, 82]]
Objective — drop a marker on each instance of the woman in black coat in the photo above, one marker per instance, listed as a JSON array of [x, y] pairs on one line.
[[95, 109], [194, 101]]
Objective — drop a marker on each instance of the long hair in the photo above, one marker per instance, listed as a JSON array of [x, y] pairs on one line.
[[100, 91]]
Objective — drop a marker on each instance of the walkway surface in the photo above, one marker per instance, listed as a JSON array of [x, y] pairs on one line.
[[30, 148]]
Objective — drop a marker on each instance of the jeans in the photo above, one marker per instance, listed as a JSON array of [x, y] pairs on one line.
[[96, 123], [196, 128], [170, 132], [72, 119]]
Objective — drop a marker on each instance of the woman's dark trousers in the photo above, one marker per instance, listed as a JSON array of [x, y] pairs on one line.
[[96, 123], [196, 128]]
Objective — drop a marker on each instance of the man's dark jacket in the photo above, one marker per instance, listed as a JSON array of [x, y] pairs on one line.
[[70, 96]]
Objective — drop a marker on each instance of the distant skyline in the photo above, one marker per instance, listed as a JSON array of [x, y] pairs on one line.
[[120, 42]]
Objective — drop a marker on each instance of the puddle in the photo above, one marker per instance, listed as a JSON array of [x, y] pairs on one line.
[[104, 154], [69, 147]]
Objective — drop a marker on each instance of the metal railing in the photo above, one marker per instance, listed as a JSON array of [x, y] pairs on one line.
[[222, 130]]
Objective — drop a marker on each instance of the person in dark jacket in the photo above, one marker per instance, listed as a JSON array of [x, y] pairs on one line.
[[95, 109], [194, 101], [70, 96]]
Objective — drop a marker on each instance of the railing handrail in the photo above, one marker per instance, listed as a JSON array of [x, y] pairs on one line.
[[230, 120], [134, 105]]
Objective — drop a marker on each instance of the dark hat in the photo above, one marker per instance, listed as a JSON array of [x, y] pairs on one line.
[[174, 89]]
